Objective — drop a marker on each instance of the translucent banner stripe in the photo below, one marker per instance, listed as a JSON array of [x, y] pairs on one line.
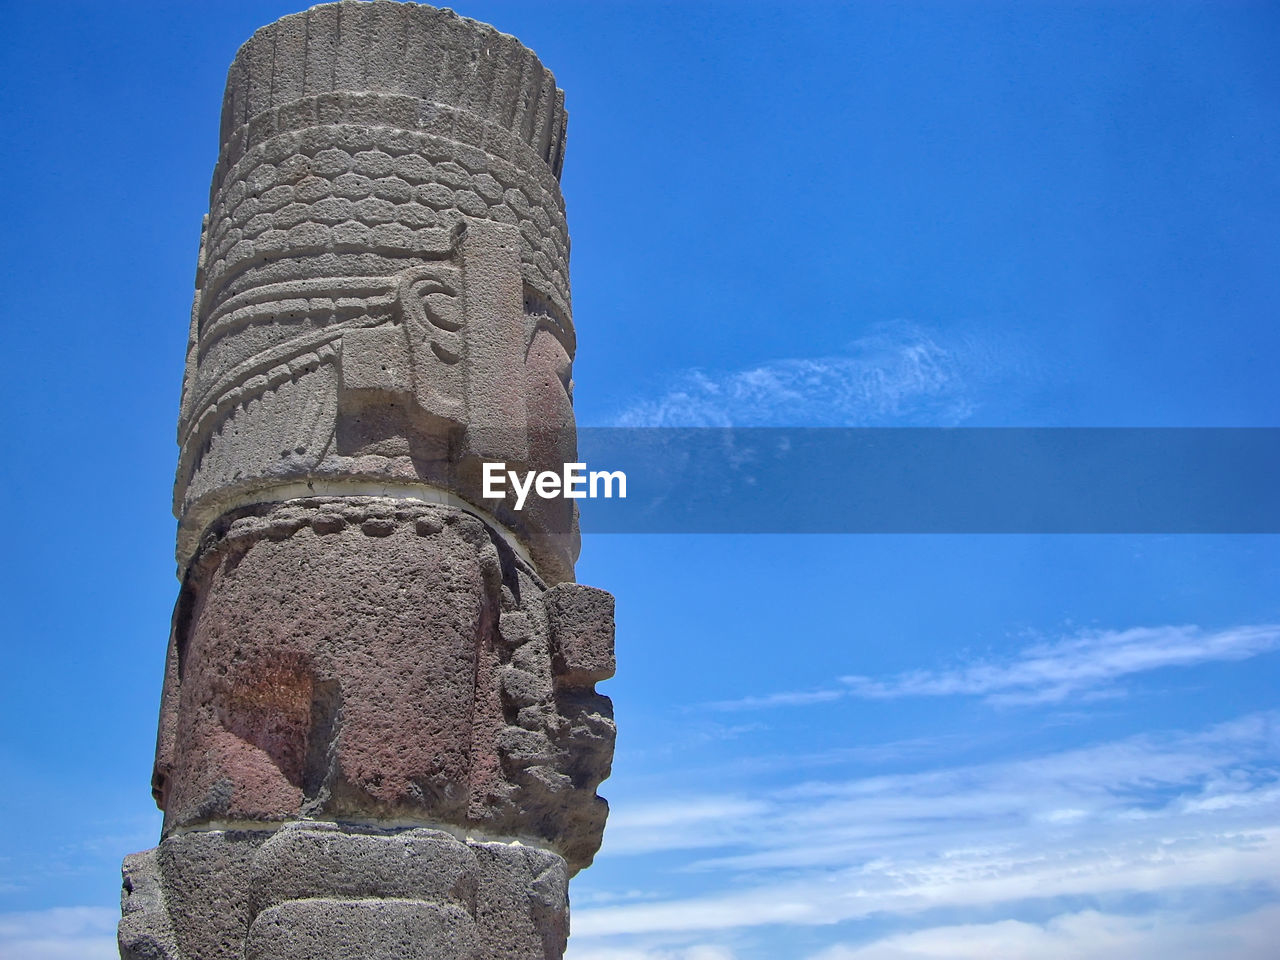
[[946, 480]]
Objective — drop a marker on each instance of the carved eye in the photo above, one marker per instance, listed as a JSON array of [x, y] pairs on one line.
[[439, 304]]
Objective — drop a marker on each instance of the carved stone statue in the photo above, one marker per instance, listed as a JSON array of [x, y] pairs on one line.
[[379, 734]]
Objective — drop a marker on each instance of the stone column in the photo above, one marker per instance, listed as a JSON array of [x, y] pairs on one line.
[[379, 735]]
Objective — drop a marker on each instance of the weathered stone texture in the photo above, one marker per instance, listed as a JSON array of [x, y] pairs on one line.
[[409, 674], [315, 890], [404, 208], [379, 734]]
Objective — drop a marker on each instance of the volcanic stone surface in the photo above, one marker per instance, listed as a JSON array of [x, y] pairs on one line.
[[379, 733]]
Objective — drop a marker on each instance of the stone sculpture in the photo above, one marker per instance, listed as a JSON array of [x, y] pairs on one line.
[[379, 735]]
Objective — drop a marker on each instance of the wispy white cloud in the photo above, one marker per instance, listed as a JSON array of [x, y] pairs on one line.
[[786, 698], [1149, 822], [1051, 672], [686, 823], [61, 933], [1148, 814], [1086, 666], [898, 374], [1077, 935], [983, 879], [1085, 935], [697, 951]]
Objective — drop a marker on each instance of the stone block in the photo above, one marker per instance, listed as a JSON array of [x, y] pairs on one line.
[[324, 929], [581, 621], [204, 876], [521, 903], [316, 859], [145, 931]]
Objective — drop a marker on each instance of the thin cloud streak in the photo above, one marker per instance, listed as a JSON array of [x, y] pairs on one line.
[[898, 374], [1086, 935], [796, 698], [1085, 667], [1078, 935], [1215, 860], [60, 933], [1147, 814], [1052, 672], [701, 951]]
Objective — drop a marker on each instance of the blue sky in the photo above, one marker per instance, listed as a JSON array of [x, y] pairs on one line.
[[830, 747]]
